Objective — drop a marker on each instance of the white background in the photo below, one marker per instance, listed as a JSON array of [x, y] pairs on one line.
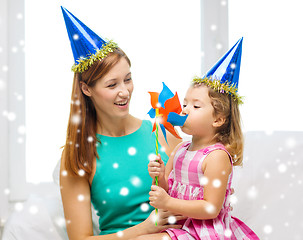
[[162, 39]]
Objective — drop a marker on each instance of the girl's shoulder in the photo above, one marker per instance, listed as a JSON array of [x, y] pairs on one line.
[[216, 146], [213, 151]]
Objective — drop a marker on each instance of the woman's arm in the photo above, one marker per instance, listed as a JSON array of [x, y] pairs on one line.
[[75, 193], [216, 168]]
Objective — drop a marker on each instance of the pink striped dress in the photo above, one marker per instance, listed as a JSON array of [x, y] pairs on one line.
[[185, 183]]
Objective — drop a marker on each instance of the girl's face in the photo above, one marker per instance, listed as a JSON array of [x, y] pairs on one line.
[[112, 93], [197, 104]]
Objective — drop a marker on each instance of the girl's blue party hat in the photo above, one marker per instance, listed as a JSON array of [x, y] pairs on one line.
[[224, 75], [86, 45]]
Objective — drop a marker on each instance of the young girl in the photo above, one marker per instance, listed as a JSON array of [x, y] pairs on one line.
[[198, 174]]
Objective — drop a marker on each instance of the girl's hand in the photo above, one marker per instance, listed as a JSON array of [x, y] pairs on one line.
[[158, 197], [163, 221], [156, 168]]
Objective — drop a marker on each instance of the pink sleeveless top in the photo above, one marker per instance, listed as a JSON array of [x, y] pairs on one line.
[[186, 182]]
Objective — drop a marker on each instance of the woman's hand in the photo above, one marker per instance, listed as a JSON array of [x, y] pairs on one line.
[[158, 197], [165, 219], [156, 168]]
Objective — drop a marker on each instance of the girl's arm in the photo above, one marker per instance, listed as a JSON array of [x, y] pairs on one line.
[[216, 168], [75, 193]]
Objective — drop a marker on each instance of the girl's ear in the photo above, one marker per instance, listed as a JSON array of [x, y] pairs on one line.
[[219, 121], [85, 89]]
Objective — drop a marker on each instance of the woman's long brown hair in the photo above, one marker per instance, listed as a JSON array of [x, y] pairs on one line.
[[80, 146]]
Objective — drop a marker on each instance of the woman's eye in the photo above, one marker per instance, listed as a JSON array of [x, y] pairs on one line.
[[112, 85], [128, 79]]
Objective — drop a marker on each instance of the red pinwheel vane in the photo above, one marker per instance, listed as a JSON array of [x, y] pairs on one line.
[[165, 109]]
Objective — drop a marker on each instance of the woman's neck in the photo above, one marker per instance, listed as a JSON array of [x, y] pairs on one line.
[[117, 127], [201, 142]]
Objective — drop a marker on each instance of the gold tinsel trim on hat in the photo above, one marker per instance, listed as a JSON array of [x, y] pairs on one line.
[[220, 87], [84, 63]]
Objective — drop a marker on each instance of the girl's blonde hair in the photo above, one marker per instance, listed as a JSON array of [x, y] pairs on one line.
[[230, 133], [80, 147]]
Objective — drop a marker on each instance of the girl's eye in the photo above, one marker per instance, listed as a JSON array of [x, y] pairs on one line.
[[128, 79], [184, 105], [197, 107]]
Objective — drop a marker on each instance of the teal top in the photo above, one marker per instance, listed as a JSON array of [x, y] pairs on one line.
[[121, 185]]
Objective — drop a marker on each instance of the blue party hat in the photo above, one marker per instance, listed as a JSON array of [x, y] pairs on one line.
[[224, 75], [86, 45]]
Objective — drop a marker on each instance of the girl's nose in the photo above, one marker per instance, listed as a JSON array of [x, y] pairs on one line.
[[184, 111]]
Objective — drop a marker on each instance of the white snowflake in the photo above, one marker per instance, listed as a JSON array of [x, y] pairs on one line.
[[5, 68], [14, 49], [60, 221], [136, 181], [19, 16], [216, 183], [172, 220], [233, 199], [223, 3], [11, 116], [267, 175], [227, 233], [76, 119], [2, 85], [282, 168], [81, 172], [75, 36], [252, 192], [124, 191], [21, 129], [290, 142], [6, 191], [19, 206], [213, 27], [219, 46], [144, 207], [267, 229], [203, 181], [210, 208], [152, 157], [115, 165], [33, 210], [132, 151], [80, 197]]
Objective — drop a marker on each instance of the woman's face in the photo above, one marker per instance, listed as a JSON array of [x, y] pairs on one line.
[[112, 93]]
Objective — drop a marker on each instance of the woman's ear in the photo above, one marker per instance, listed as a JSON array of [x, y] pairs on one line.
[[219, 121], [85, 89]]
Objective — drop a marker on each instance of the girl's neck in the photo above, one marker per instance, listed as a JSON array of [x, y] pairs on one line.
[[117, 127], [201, 142]]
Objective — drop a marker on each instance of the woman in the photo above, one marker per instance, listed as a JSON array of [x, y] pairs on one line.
[[107, 150]]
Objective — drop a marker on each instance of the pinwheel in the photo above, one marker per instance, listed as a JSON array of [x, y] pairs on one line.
[[165, 110]]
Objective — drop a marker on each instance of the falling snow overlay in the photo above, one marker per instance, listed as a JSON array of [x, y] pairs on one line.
[[268, 189]]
